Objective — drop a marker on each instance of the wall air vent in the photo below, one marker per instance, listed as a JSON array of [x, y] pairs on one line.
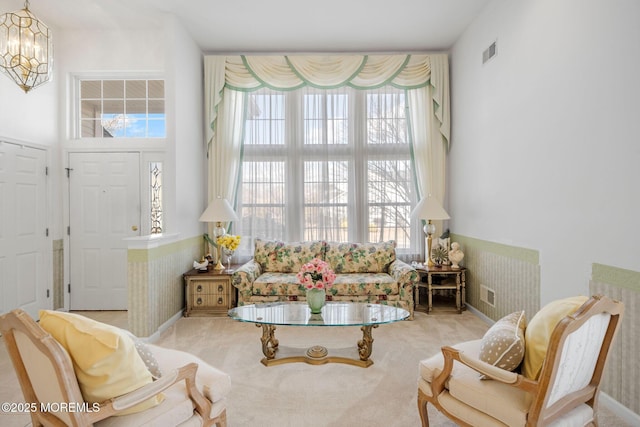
[[488, 295], [489, 52]]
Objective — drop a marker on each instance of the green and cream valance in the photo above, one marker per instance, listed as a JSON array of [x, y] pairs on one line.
[[290, 72], [327, 71]]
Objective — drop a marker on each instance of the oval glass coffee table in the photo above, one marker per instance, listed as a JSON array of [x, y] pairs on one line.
[[270, 315]]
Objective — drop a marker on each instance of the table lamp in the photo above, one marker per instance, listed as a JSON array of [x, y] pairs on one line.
[[429, 209], [218, 211]]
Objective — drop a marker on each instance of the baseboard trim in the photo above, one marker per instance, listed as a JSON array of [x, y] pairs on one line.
[[481, 315], [619, 409], [166, 325]]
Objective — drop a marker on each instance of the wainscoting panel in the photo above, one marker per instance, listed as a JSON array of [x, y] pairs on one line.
[[156, 286], [622, 374], [58, 274], [513, 274]]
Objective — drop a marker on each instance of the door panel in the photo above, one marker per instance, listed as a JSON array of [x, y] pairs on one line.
[[23, 241], [104, 206]]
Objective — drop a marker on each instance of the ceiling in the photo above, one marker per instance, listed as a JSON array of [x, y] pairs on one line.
[[244, 26]]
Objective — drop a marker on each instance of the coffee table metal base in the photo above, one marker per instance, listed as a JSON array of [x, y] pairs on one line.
[[317, 354]]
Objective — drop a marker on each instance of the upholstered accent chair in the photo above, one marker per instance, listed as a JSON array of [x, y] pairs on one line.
[[562, 392], [55, 382]]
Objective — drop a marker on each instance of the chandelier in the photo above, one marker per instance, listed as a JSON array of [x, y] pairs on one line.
[[26, 50]]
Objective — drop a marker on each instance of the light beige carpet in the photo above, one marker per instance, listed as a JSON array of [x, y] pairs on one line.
[[331, 395], [299, 394]]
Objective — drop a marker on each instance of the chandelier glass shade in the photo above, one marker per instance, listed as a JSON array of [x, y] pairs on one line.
[[26, 49]]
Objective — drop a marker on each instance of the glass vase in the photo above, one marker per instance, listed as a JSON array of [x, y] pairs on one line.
[[228, 253], [315, 300]]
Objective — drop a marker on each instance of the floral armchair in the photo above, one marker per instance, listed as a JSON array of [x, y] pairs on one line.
[[365, 272]]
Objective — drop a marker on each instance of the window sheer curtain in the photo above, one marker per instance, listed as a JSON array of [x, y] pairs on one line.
[[223, 133], [228, 79]]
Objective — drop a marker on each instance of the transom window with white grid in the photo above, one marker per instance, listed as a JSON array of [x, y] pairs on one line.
[[328, 164], [121, 108]]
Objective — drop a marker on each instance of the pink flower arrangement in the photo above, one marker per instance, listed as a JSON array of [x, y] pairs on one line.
[[316, 274]]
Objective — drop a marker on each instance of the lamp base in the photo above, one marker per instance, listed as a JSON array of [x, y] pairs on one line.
[[430, 263], [219, 266]]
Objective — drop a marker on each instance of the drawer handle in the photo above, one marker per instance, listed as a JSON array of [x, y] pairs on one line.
[[220, 301], [220, 288], [199, 288], [199, 301]]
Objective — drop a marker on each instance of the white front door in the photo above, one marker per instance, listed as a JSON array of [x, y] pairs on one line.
[[24, 282], [104, 209]]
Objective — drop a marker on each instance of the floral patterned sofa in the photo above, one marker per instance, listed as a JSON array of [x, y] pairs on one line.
[[365, 272]]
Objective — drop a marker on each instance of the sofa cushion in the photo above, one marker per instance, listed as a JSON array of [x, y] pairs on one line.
[[271, 284], [277, 256], [104, 357], [364, 284], [539, 330], [503, 343], [277, 284], [360, 257]]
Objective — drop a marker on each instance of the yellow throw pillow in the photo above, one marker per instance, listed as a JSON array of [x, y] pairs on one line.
[[104, 357], [539, 330]]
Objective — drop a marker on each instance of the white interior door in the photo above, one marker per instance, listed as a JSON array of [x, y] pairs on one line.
[[24, 282], [104, 209]]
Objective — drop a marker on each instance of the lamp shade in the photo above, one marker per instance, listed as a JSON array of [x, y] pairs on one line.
[[429, 208], [219, 210]]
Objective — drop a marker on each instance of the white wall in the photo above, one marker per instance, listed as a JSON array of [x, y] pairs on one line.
[[184, 69], [546, 135], [29, 117]]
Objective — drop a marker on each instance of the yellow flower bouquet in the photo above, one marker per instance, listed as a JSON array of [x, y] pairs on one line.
[[228, 242]]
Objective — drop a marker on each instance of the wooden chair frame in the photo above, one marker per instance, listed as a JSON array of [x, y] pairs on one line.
[[538, 414], [18, 321]]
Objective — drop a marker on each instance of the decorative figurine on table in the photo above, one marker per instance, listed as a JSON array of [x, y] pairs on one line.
[[455, 255], [445, 241], [439, 255], [201, 266]]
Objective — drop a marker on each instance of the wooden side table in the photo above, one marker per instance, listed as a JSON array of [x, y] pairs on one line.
[[209, 293], [437, 280]]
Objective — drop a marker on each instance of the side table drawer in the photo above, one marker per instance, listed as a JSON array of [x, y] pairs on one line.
[[209, 301], [208, 287], [209, 293]]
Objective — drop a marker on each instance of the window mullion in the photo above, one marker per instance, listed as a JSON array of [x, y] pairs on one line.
[[358, 184], [294, 164]]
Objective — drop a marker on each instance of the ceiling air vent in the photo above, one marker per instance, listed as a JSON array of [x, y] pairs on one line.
[[489, 52]]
